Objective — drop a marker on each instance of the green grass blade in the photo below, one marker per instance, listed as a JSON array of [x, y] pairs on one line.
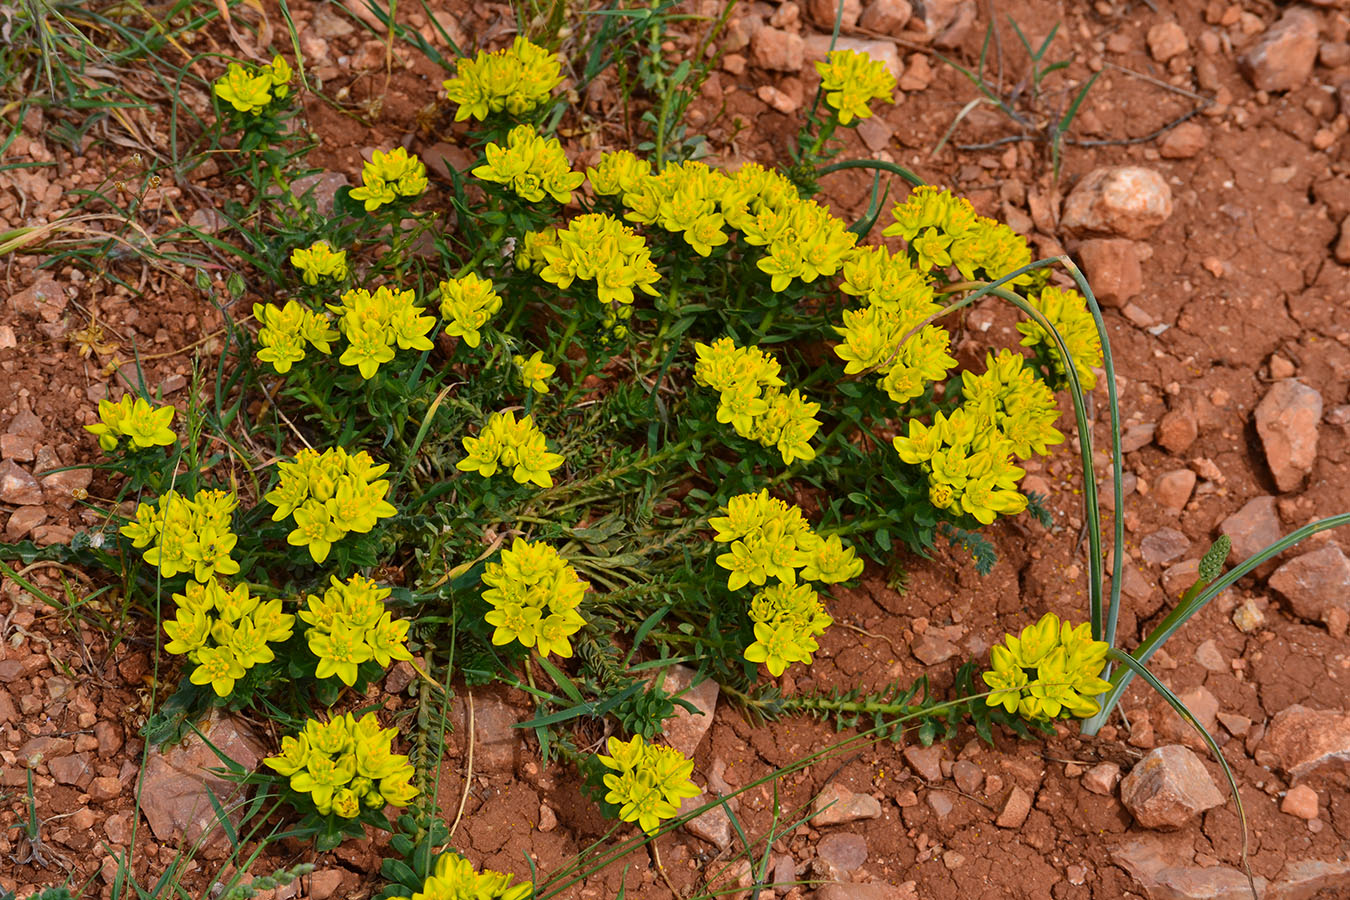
[[1172, 700]]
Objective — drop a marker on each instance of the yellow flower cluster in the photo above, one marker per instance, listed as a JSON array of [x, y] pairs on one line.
[[1009, 398], [1050, 669], [534, 372], [455, 878], [250, 90], [346, 764], [969, 465], [685, 198], [530, 250], [534, 595], [619, 172], [1067, 311], [788, 618], [466, 305], [225, 632], [374, 323], [851, 80], [767, 538], [505, 443], [132, 417], [514, 80], [389, 176], [944, 230], [748, 381], [286, 329], [803, 241], [649, 781], [349, 625], [600, 248], [329, 495], [319, 260], [878, 335], [185, 535], [531, 165]]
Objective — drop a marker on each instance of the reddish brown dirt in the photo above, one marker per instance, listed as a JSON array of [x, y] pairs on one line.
[[1241, 271]]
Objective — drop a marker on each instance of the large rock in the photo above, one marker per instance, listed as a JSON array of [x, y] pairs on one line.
[[685, 730], [886, 16], [1128, 201], [1287, 419], [777, 50], [1168, 788], [176, 783], [1301, 740], [837, 805], [1283, 59], [1166, 871], [714, 826], [1315, 583], [824, 12], [18, 486], [1252, 528], [1114, 269]]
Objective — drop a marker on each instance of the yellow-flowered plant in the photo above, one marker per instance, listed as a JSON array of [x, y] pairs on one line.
[[389, 177], [944, 230], [619, 172], [968, 464], [531, 165], [1009, 398], [249, 89], [649, 781], [329, 495], [319, 260], [787, 618], [851, 80], [285, 330], [455, 878], [600, 248], [1050, 669], [134, 418], [345, 765], [534, 372], [374, 324], [535, 595], [770, 539], [751, 399], [507, 444], [1067, 311], [187, 536], [225, 632], [467, 303], [349, 626], [684, 198], [514, 80]]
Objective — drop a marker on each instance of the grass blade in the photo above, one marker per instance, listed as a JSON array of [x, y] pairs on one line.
[[1142, 671]]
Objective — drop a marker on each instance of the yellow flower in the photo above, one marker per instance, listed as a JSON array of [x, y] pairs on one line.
[[531, 165], [851, 80], [1051, 669], [319, 260], [467, 304], [349, 625], [245, 91], [389, 176], [600, 248], [534, 371], [518, 446], [514, 80], [146, 425], [1067, 311], [534, 596], [217, 667], [374, 324], [315, 529], [649, 781]]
